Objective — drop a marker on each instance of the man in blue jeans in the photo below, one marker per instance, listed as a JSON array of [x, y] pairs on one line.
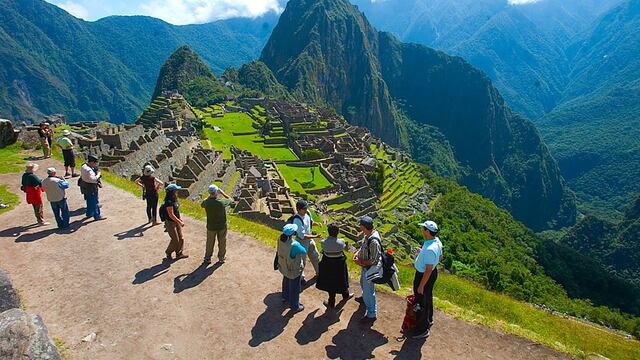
[[55, 188], [370, 254], [90, 180]]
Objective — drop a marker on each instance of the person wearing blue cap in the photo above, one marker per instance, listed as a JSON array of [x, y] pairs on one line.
[[290, 256], [173, 223], [425, 278], [216, 223]]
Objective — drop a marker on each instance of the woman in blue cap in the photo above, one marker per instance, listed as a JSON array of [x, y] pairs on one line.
[[291, 264], [173, 223]]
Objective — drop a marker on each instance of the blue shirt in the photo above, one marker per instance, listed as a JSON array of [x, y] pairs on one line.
[[429, 255], [296, 249]]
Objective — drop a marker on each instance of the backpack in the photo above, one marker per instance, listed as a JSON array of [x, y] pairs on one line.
[[162, 212], [290, 220], [388, 262], [410, 316]]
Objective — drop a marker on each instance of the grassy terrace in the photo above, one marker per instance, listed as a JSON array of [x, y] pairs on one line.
[[468, 301], [300, 179], [396, 189]]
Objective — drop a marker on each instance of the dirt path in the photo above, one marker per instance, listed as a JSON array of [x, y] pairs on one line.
[[107, 277]]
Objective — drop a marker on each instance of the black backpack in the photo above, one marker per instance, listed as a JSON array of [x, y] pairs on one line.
[[164, 215], [388, 261]]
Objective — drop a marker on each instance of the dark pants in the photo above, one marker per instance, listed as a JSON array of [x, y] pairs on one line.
[[69, 158], [291, 291], [332, 297], [61, 213], [424, 317], [152, 207]]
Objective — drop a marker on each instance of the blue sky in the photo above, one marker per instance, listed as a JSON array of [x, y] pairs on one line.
[[179, 12]]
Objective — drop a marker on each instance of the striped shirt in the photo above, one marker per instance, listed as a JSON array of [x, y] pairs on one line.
[[373, 250]]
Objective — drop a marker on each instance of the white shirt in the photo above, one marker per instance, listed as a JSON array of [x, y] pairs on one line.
[[304, 225], [88, 175]]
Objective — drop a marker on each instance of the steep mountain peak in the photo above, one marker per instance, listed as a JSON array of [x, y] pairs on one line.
[[180, 69]]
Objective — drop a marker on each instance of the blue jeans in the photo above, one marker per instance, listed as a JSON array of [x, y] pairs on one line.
[[368, 294], [61, 213], [291, 291], [93, 210]]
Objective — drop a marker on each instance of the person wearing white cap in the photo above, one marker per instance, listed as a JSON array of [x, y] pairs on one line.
[[32, 186], [66, 145], [173, 224], [216, 223], [150, 186], [290, 262], [425, 278], [55, 188]]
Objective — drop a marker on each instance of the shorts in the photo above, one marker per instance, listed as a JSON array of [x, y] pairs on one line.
[[69, 158]]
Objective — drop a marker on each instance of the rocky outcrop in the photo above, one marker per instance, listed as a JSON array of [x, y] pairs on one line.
[[8, 296], [8, 135], [24, 336]]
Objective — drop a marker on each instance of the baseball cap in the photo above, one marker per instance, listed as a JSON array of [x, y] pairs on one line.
[[213, 189], [148, 170], [51, 170], [173, 187], [91, 158], [290, 229], [366, 221], [302, 204], [66, 132], [430, 225]]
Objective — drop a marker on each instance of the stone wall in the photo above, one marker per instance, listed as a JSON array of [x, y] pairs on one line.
[[141, 151], [265, 219]]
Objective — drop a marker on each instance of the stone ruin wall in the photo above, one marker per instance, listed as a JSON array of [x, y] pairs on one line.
[[198, 173]]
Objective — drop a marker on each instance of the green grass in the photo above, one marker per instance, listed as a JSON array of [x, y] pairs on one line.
[[11, 159], [300, 180], [466, 300], [341, 206], [241, 123], [8, 198]]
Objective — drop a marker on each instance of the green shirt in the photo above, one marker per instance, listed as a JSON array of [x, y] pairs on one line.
[[216, 213], [65, 143]]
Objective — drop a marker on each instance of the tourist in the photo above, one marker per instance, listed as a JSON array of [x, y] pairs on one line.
[[426, 275], [150, 186], [291, 264], [66, 145], [32, 186], [173, 223], [368, 257], [46, 135], [334, 276], [305, 236], [216, 223], [55, 188], [89, 185]]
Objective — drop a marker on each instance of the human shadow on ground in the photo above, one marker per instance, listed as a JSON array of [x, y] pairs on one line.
[[411, 349], [357, 341], [136, 232], [313, 327], [73, 227], [78, 212], [16, 231], [271, 323], [151, 273], [188, 281]]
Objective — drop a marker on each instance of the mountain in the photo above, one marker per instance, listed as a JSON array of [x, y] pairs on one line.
[[326, 51], [51, 62], [180, 70]]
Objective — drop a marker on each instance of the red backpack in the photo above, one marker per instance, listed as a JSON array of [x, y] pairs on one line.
[[409, 322]]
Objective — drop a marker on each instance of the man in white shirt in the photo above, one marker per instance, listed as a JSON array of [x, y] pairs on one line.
[[426, 275], [55, 188], [304, 235]]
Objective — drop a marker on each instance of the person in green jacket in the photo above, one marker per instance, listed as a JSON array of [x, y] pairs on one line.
[[215, 206], [290, 255]]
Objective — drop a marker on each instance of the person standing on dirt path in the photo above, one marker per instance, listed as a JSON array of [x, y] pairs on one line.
[[216, 223], [290, 255], [334, 275], [66, 145], [55, 187], [304, 236], [90, 185], [173, 223], [150, 186], [425, 278], [369, 256], [46, 135], [32, 186]]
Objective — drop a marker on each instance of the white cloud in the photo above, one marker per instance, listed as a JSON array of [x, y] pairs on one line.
[[520, 2], [181, 12], [74, 9]]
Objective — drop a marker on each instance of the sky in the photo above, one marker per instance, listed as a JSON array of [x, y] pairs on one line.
[[180, 12]]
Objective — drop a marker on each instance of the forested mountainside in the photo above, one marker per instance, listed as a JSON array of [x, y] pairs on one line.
[[52, 62], [570, 65], [408, 93]]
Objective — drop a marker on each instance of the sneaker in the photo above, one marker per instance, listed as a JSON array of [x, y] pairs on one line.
[[423, 335], [67, 175], [101, 218], [222, 261], [300, 308], [181, 256], [206, 261]]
